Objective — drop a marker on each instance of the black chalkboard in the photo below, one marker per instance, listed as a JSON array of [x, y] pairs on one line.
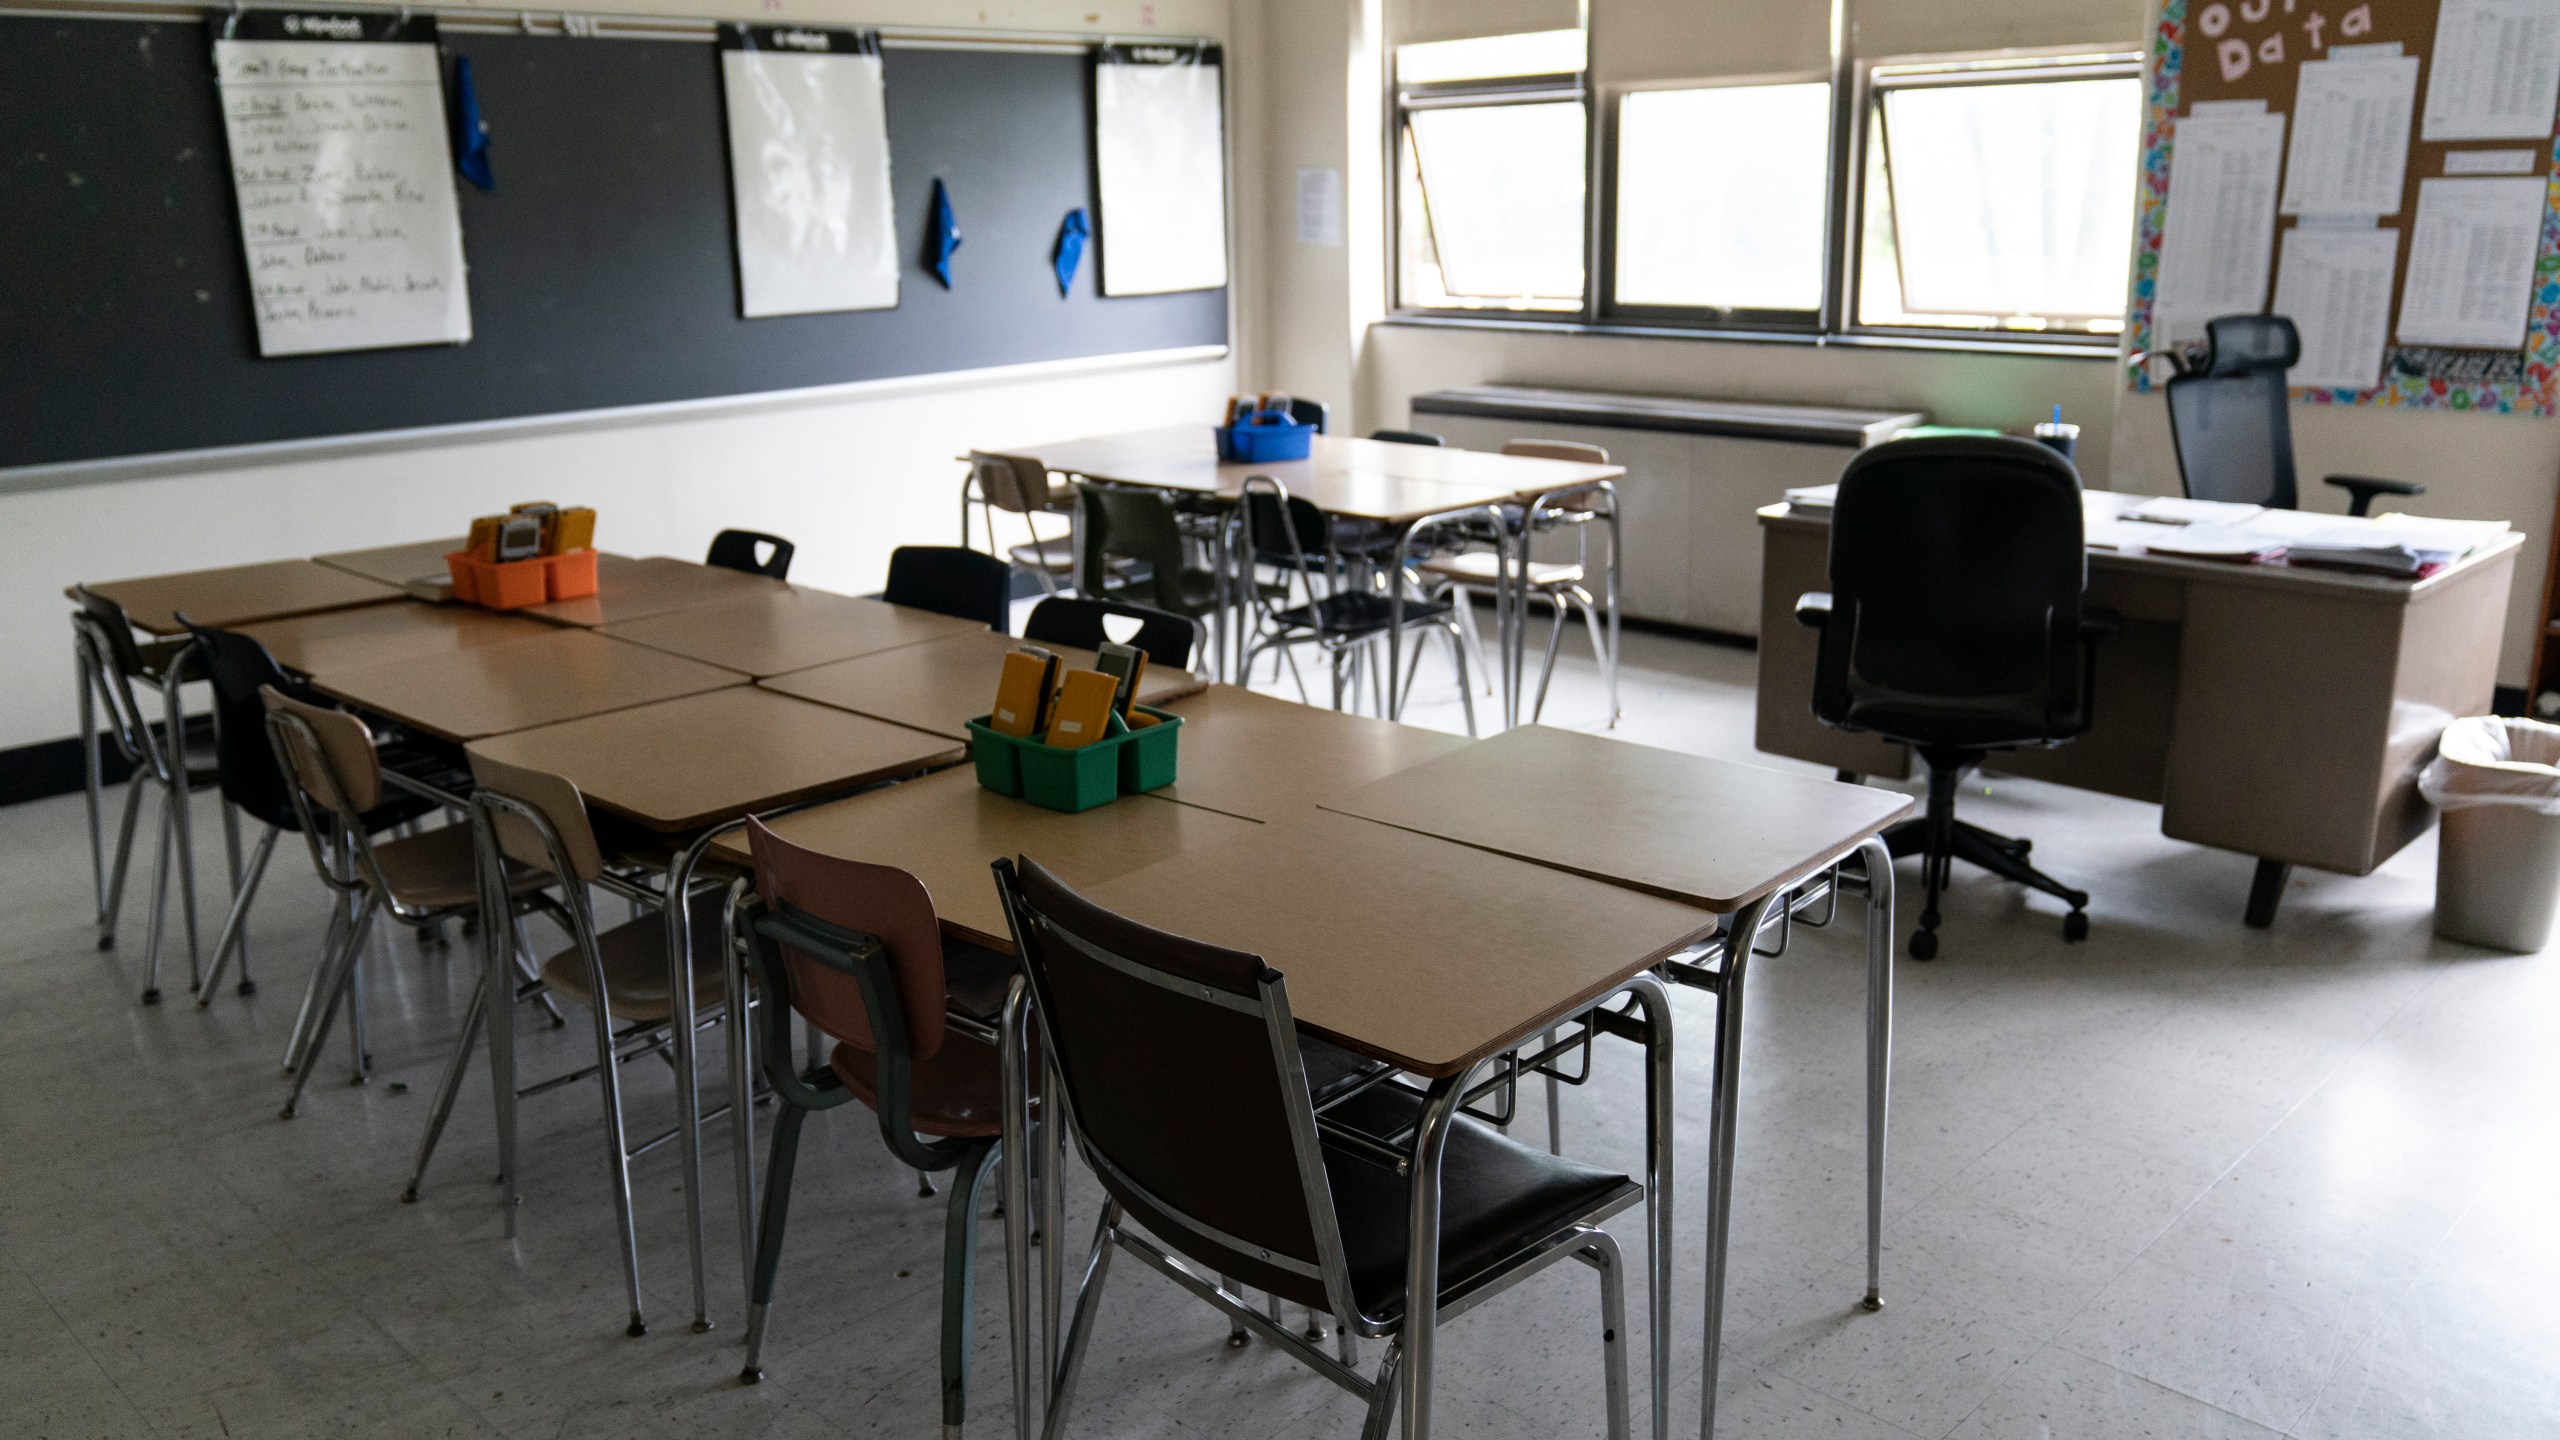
[[602, 268]]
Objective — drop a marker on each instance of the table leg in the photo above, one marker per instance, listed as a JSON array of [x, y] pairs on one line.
[[1014, 1049], [498, 981], [1880, 936], [742, 1081], [92, 774], [1661, 1084], [1422, 1250], [688, 1065], [1726, 1100]]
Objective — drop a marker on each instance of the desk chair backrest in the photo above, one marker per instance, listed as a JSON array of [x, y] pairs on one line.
[[1573, 450], [1310, 412], [239, 667], [1016, 484], [105, 637], [1408, 437], [1073, 620], [328, 753], [538, 819], [1957, 571], [1183, 1078], [952, 580], [736, 550], [2228, 417], [1281, 528], [888, 904], [1132, 524]]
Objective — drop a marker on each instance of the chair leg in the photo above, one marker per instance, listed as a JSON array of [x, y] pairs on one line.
[[1555, 642], [777, 1213], [184, 830], [92, 776], [1384, 1392], [959, 1282], [234, 923], [339, 975], [609, 1079], [1600, 649], [1938, 858], [114, 902], [1602, 1254], [450, 1086], [314, 990], [1236, 1333], [1080, 1330], [1463, 607], [231, 851], [1555, 1099], [1466, 679], [160, 894]]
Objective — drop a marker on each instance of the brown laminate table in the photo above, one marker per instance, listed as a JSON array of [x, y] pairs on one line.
[[396, 564], [940, 684], [377, 634], [776, 630], [628, 589], [1270, 759], [543, 679], [236, 595]]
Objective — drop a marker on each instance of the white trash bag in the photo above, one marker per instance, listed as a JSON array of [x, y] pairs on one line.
[[2497, 780]]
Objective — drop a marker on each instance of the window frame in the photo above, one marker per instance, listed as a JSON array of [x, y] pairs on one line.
[[1405, 100], [1960, 70]]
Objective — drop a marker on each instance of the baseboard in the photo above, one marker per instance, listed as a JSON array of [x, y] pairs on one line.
[[52, 767]]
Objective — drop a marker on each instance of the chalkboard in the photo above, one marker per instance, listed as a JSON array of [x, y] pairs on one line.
[[602, 272]]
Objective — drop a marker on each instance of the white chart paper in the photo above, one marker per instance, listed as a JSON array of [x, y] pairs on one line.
[[2335, 285], [2497, 70], [2220, 230], [345, 185], [1160, 148], [1319, 205], [809, 170], [2350, 148], [2471, 263]]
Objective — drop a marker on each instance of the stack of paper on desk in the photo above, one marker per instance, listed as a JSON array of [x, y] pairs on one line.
[[2196, 541], [1812, 499], [2175, 510]]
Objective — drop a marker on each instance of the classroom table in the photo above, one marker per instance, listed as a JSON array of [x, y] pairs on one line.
[[940, 685], [1412, 488], [331, 640], [628, 589], [1727, 838], [419, 560], [782, 628], [1270, 759], [462, 695], [239, 594]]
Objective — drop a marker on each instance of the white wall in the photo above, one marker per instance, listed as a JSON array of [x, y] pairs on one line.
[[847, 479]]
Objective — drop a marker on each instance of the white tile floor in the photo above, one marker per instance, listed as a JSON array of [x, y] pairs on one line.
[[2185, 1179]]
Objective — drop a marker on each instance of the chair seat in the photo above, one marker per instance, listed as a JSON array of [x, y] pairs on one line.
[[1056, 554], [958, 1094], [634, 956], [435, 870], [1480, 567], [1499, 1201], [1352, 614]]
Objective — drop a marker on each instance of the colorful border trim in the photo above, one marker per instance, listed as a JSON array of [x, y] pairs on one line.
[[2537, 394]]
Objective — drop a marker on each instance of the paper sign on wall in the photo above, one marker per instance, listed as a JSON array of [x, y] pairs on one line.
[[809, 169], [2497, 70], [344, 180], [2222, 216], [2336, 286], [2471, 263], [2351, 132]]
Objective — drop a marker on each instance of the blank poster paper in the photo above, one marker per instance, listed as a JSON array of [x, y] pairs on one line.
[[2470, 278], [2350, 149], [344, 179], [2497, 70], [809, 169], [2336, 286], [1160, 147], [1319, 205], [2222, 216]]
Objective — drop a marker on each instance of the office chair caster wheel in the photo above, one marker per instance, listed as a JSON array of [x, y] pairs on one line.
[[2075, 926], [1924, 944]]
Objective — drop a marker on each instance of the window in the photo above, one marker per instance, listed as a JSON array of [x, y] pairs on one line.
[[2000, 196], [1704, 223], [1492, 152]]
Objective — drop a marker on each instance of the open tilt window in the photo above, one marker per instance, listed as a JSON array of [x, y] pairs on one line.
[[1491, 144]]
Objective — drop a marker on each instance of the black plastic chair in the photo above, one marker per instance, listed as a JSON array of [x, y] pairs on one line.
[[952, 580], [1408, 437], [1954, 625], [736, 550], [158, 755], [1117, 523], [2231, 419], [1167, 638], [1310, 412], [1188, 1092]]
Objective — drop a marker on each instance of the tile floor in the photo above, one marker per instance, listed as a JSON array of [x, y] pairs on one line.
[[2185, 1179]]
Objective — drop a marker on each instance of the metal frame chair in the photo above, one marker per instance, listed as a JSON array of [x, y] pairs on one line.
[[1182, 1081], [160, 756], [736, 550], [1564, 586], [1019, 485]]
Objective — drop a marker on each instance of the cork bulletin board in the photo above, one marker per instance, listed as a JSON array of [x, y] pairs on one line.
[[2437, 288]]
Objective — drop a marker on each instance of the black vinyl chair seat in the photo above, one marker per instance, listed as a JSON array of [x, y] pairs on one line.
[[1499, 1198], [1353, 613]]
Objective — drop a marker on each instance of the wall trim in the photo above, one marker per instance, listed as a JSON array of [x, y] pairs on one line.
[[66, 474], [2011, 349]]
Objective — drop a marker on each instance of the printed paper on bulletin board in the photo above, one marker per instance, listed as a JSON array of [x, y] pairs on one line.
[[2236, 55]]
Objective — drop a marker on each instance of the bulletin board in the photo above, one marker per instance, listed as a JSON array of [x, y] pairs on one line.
[[2234, 57]]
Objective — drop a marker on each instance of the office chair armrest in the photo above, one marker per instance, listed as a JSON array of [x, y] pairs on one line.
[[2362, 488], [2097, 625], [1813, 609]]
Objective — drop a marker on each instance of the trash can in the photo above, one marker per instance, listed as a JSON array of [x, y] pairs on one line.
[[2497, 780]]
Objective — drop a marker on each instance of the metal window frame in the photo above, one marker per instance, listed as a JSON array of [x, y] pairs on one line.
[[1403, 101], [1861, 115]]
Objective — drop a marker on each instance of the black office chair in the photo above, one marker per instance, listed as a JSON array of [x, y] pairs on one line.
[[1408, 437], [2231, 418], [1074, 620], [736, 550], [952, 580], [1954, 625], [1310, 412]]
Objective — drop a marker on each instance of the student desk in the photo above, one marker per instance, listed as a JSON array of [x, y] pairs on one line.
[[940, 685], [397, 564], [780, 628], [239, 594], [628, 589], [2280, 713], [1270, 759], [562, 674], [378, 634], [1727, 839]]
